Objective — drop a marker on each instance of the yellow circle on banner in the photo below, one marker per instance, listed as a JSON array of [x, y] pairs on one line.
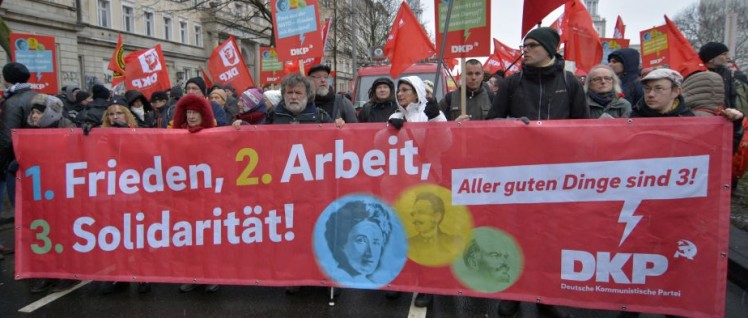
[[437, 231], [33, 42]]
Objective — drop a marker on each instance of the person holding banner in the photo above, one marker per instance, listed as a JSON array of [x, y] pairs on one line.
[[15, 109], [118, 116], [193, 112], [92, 114], [604, 94], [141, 108], [160, 110], [543, 90], [46, 112], [479, 98], [413, 106], [298, 106], [196, 86], [662, 96], [625, 63], [338, 107], [253, 109], [381, 104]]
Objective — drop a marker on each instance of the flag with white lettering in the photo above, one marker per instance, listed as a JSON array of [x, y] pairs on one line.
[[226, 63], [145, 71]]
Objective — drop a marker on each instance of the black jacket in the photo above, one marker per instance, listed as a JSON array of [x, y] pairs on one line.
[[541, 93], [310, 115], [93, 113], [374, 112], [631, 85], [682, 110], [15, 110], [344, 108]]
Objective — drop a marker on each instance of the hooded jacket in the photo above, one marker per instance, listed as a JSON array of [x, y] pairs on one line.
[[631, 85], [541, 93], [704, 93], [642, 110], [416, 112], [197, 103], [148, 119], [376, 110]]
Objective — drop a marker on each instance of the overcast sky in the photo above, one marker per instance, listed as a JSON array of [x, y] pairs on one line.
[[637, 15]]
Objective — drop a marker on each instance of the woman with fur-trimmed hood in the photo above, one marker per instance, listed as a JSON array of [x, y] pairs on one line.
[[194, 113], [46, 112], [413, 104]]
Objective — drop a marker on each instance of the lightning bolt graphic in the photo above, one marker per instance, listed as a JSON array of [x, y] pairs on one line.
[[627, 217], [467, 34], [301, 38]]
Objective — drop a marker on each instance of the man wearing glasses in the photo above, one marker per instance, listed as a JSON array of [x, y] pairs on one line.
[[662, 96], [543, 90]]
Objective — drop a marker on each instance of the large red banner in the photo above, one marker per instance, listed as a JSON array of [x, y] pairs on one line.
[[227, 64], [469, 32], [548, 217], [297, 29], [145, 71], [39, 54]]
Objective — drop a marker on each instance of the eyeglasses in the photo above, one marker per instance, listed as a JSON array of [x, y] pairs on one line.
[[529, 46], [404, 90], [602, 79], [657, 90]]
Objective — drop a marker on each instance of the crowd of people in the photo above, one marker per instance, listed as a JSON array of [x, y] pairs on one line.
[[542, 90]]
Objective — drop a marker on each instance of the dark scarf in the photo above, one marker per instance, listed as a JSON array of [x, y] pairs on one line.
[[602, 99]]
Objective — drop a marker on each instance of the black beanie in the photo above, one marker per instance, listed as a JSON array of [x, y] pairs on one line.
[[547, 37], [100, 92], [711, 50], [15, 73], [199, 82], [81, 96]]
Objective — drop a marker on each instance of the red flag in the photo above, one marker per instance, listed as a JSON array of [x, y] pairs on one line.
[[407, 42], [559, 26], [451, 63], [117, 63], [504, 58], [145, 71], [620, 29], [582, 43], [325, 32], [206, 77], [228, 63], [535, 10], [683, 58]]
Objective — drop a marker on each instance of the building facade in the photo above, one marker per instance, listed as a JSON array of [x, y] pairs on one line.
[[597, 21], [86, 32]]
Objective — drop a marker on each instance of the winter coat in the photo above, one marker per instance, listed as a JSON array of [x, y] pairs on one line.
[[541, 93], [149, 118], [631, 85], [704, 93], [15, 109], [417, 112], [618, 108], [310, 115], [94, 113], [337, 106], [203, 107], [478, 103], [374, 112], [728, 80], [642, 110]]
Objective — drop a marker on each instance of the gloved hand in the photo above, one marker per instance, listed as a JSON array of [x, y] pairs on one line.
[[396, 122], [87, 128]]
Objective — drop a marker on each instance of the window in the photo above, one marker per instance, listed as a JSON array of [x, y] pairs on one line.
[[183, 31], [148, 17], [167, 28], [104, 13], [199, 35], [128, 19]]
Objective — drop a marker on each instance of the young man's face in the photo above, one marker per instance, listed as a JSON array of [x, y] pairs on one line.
[[617, 65], [474, 76], [660, 94], [534, 53]]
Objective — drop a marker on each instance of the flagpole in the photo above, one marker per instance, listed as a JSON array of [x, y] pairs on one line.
[[463, 91], [301, 67], [441, 49]]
